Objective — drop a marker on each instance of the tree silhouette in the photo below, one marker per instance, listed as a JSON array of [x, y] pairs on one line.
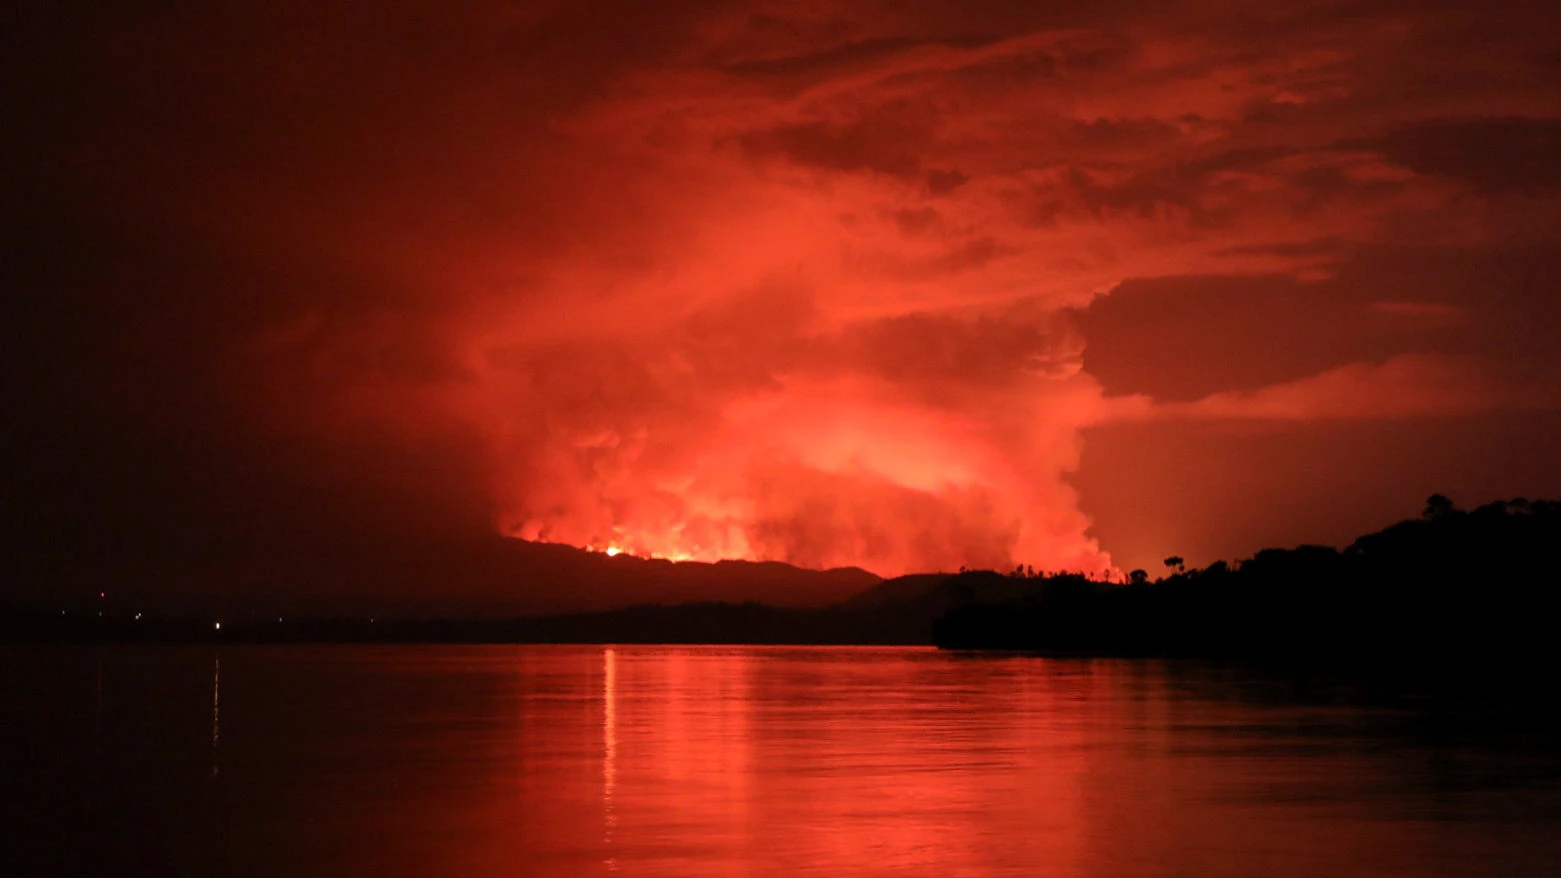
[[1452, 588], [1438, 506]]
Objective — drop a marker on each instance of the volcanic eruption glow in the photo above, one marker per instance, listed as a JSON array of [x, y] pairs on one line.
[[817, 462], [801, 285], [829, 328]]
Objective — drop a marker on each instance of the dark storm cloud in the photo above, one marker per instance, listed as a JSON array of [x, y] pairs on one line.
[[941, 182], [1494, 155], [889, 141]]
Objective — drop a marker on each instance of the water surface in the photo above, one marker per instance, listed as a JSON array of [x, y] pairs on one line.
[[503, 760]]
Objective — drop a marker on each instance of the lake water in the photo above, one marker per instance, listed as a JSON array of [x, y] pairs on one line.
[[578, 761]]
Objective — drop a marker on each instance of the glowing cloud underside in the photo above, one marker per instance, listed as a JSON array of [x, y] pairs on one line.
[[795, 284], [816, 475], [824, 322]]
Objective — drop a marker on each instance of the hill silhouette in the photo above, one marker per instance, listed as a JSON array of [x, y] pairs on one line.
[[897, 611], [1450, 584], [488, 578]]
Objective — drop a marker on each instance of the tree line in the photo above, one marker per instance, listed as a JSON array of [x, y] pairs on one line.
[[1451, 583]]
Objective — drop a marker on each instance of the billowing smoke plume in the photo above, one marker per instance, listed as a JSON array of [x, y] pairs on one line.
[[818, 312], [752, 428], [796, 286], [734, 280]]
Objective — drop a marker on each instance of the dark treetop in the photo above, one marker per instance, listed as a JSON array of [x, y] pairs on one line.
[[1452, 584]]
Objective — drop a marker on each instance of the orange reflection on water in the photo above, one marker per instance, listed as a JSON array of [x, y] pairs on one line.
[[216, 709], [672, 761], [609, 751], [782, 759]]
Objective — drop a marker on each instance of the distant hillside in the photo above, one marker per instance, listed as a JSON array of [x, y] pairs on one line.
[[945, 589], [501, 591], [903, 614], [1449, 586], [596, 581], [492, 577], [702, 622]]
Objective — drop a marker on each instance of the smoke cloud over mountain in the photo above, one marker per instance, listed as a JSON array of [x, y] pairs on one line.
[[736, 280]]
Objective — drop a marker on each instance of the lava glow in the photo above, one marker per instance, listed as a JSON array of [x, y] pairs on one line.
[[822, 474], [670, 552], [802, 282]]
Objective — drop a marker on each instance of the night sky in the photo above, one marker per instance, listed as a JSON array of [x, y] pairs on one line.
[[325, 298]]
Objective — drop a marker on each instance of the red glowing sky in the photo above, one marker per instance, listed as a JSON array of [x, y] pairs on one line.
[[905, 286]]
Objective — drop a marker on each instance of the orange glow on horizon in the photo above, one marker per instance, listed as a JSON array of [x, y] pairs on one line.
[[821, 475], [827, 313]]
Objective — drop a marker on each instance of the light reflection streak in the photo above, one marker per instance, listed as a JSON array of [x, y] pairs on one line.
[[97, 709], [216, 709], [609, 750]]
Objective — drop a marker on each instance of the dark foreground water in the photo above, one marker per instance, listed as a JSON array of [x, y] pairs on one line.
[[487, 761]]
